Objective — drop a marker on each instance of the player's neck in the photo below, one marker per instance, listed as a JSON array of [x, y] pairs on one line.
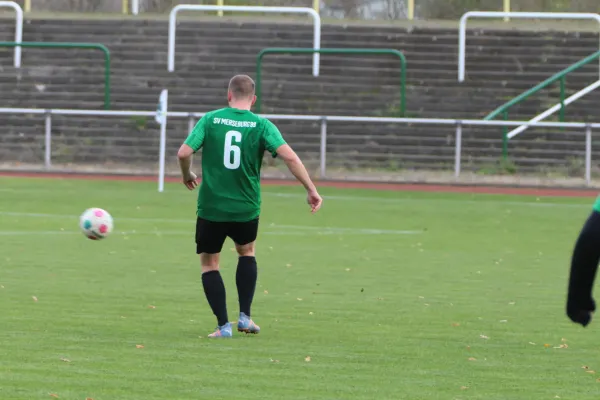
[[240, 105]]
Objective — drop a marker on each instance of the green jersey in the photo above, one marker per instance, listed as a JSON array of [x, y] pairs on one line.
[[233, 143]]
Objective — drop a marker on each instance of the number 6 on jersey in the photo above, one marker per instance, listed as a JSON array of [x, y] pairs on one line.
[[232, 153]]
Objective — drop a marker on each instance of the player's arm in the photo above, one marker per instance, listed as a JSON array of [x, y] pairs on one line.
[[192, 144], [297, 168], [276, 145]]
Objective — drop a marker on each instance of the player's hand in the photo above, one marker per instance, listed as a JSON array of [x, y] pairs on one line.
[[190, 180], [314, 201], [580, 311]]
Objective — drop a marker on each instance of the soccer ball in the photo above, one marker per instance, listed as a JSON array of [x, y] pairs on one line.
[[96, 223]]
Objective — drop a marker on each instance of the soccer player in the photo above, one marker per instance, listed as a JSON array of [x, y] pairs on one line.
[[233, 142], [584, 265]]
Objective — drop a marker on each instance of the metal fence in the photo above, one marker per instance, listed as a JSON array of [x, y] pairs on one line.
[[348, 9], [57, 148]]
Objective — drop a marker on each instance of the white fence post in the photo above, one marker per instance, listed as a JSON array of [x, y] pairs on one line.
[[462, 34], [258, 9], [458, 150], [191, 123], [323, 151], [588, 154], [161, 118], [18, 28], [48, 140], [135, 7]]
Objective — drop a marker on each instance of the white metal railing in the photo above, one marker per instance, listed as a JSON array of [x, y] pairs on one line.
[[462, 38], [555, 108], [257, 9], [18, 28], [458, 124]]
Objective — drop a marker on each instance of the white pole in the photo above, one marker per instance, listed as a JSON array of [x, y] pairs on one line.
[[191, 124], [18, 28], [458, 151], [555, 108], [48, 140], [162, 118], [135, 7], [588, 155], [323, 147], [258, 9], [462, 34]]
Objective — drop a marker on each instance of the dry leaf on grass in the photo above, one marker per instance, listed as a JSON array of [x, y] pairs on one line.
[[34, 298], [310, 313], [585, 367], [472, 359], [307, 359], [484, 337], [139, 346], [54, 395], [274, 361], [65, 360], [299, 299], [288, 265], [455, 324], [464, 387], [151, 306], [546, 345], [88, 398], [590, 371], [266, 292]]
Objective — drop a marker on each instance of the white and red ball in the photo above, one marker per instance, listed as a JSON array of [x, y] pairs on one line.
[[96, 223]]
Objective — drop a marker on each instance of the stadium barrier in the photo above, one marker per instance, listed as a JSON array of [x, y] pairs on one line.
[[462, 37], [73, 45], [561, 106], [255, 9], [161, 113], [18, 28], [295, 50]]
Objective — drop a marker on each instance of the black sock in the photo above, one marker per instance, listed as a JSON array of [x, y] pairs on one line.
[[245, 279], [584, 266], [214, 288]]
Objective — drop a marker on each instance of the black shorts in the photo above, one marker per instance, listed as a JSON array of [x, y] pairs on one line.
[[210, 235]]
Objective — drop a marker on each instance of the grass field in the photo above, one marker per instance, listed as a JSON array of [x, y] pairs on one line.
[[382, 295]]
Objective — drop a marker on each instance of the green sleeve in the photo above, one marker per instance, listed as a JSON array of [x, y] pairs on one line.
[[196, 137], [272, 137]]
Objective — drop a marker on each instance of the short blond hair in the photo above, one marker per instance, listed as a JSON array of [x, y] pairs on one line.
[[242, 87]]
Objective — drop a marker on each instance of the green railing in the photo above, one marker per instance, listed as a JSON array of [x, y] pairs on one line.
[[561, 77], [69, 45], [275, 50]]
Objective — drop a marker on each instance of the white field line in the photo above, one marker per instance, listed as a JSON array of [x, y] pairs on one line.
[[438, 201], [172, 233], [280, 229], [487, 201]]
